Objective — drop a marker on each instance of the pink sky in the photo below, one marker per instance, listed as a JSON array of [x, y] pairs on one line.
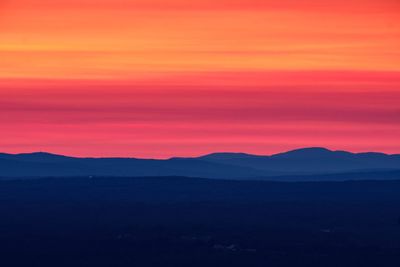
[[269, 113]]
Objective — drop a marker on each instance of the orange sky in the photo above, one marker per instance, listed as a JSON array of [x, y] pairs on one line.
[[252, 76]]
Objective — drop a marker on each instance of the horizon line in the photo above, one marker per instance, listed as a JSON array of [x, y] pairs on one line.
[[200, 155]]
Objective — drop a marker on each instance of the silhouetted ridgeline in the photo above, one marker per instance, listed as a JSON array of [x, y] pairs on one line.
[[293, 164]]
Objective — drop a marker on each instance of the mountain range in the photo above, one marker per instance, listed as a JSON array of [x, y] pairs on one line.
[[313, 163]]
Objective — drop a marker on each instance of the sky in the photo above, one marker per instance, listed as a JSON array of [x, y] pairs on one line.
[[162, 78]]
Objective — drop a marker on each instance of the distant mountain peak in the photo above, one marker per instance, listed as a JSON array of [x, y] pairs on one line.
[[39, 153], [227, 155], [305, 153], [310, 149]]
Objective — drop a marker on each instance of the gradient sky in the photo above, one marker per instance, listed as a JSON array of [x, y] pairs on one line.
[[161, 78]]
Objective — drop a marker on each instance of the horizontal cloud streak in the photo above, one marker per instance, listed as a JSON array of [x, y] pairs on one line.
[[278, 111]]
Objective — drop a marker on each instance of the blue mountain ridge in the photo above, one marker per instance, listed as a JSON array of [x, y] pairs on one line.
[[299, 162]]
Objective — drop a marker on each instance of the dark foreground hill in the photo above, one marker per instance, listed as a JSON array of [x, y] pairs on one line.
[[178, 222], [306, 161]]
